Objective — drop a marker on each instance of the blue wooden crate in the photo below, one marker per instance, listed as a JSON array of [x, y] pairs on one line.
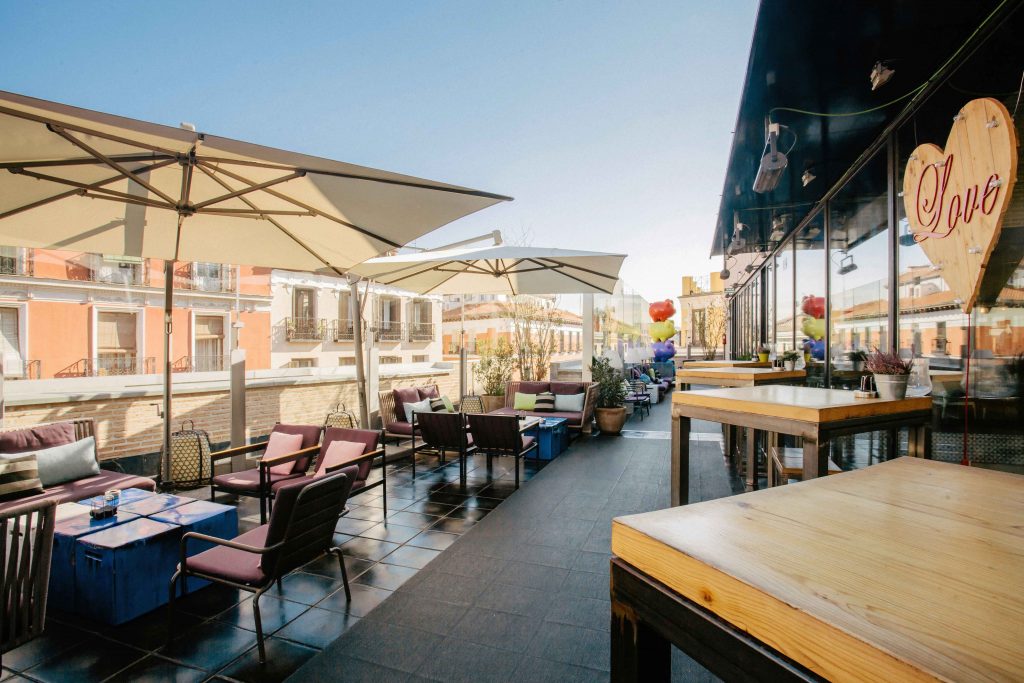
[[146, 506], [204, 517], [62, 563], [127, 496], [552, 437], [124, 571]]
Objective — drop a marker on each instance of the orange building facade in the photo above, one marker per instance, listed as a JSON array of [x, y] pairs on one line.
[[71, 314]]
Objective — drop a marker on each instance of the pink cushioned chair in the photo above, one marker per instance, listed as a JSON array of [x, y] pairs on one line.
[[256, 482], [301, 529]]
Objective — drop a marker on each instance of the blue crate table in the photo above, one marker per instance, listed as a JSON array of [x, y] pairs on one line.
[[123, 572], [127, 496], [147, 506], [552, 437], [67, 531], [204, 517]]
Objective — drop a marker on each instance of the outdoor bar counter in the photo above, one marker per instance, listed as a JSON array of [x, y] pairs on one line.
[[909, 570]]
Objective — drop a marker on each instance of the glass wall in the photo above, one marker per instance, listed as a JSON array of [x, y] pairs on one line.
[[859, 280], [785, 329], [809, 302]]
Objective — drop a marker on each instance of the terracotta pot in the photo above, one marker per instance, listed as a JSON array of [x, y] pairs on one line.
[[610, 420], [492, 402]]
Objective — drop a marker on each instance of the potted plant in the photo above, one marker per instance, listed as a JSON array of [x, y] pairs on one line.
[[891, 374], [763, 351], [611, 396], [789, 358], [494, 372], [857, 358]]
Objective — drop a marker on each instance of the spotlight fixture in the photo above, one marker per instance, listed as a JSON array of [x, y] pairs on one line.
[[846, 265], [807, 177], [812, 232], [749, 268], [778, 229], [907, 240], [724, 274], [773, 163], [880, 75]]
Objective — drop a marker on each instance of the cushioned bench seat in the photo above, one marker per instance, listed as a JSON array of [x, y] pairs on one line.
[[574, 419]]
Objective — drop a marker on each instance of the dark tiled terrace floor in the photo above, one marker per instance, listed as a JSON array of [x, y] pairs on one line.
[[469, 584]]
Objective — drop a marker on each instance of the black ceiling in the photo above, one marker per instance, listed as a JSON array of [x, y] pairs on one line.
[[817, 56]]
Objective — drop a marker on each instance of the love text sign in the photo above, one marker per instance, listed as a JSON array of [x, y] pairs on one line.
[[956, 197]]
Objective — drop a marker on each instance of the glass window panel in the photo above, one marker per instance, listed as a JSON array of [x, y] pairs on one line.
[[784, 328], [809, 301]]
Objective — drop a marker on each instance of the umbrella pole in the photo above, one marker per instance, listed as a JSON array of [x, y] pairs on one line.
[[168, 303], [357, 341]]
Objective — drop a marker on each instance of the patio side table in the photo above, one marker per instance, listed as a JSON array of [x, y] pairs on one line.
[[552, 437], [205, 517], [908, 570], [816, 415]]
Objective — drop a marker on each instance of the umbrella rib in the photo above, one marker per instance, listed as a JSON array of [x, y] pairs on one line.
[[581, 281], [108, 161], [409, 275], [87, 161], [87, 187], [563, 264], [356, 176], [247, 190], [442, 282], [64, 195], [296, 202], [273, 222]]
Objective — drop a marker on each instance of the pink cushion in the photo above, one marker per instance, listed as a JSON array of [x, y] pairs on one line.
[[37, 438], [428, 392], [402, 396], [533, 387], [282, 444], [338, 453]]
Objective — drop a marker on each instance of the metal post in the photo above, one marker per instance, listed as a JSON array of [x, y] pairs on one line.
[[238, 417], [462, 347], [587, 340], [168, 330], [357, 340]]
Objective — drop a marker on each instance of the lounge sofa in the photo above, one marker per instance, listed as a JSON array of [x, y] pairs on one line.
[[29, 439], [392, 409], [578, 422]]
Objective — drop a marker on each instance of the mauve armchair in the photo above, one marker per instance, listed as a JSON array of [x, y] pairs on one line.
[[501, 435], [445, 432], [301, 529]]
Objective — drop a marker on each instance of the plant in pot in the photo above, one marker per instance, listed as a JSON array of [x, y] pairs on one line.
[[891, 374], [494, 372], [763, 351], [611, 396], [789, 358], [857, 358]]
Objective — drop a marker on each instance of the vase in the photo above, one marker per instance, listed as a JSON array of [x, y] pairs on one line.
[[891, 387], [790, 365]]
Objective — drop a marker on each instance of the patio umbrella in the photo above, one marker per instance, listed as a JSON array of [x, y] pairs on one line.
[[88, 181], [496, 269]]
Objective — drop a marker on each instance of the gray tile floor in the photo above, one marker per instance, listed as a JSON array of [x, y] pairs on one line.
[[523, 594]]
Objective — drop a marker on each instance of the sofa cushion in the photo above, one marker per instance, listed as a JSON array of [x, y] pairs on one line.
[[524, 401], [567, 388], [417, 407], [533, 387], [402, 427], [280, 443], [338, 453], [403, 394], [19, 477], [235, 565], [71, 491], [428, 392], [37, 438], [573, 418], [68, 462], [545, 402], [248, 481]]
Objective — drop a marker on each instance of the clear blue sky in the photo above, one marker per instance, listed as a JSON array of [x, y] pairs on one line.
[[610, 123]]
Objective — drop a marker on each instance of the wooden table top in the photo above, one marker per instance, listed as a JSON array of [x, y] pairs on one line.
[[726, 364], [749, 374], [808, 404], [907, 570]]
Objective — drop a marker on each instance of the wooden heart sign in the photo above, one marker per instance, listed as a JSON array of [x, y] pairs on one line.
[[955, 198]]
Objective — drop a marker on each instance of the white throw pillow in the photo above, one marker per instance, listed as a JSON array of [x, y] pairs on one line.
[[67, 462], [569, 403], [418, 407]]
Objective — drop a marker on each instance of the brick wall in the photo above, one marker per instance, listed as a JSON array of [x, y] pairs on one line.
[[131, 426]]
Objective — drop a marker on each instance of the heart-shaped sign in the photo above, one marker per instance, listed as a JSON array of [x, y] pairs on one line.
[[955, 198]]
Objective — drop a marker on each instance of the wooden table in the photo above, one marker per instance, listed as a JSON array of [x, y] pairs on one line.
[[816, 415], [726, 364], [910, 570], [736, 376]]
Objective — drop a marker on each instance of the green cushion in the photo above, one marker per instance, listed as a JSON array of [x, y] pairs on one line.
[[525, 401], [448, 404]]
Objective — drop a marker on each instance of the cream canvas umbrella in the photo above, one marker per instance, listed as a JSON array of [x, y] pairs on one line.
[[496, 269], [87, 181]]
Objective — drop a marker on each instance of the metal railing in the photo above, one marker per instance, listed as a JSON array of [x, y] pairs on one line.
[[305, 329], [341, 331], [202, 363], [389, 331], [112, 365], [419, 332], [189, 277], [21, 263], [117, 274], [24, 369]]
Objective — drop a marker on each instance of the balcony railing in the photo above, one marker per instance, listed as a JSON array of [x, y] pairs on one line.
[[341, 331], [192, 276], [113, 365], [202, 364], [389, 331], [23, 369], [305, 329], [14, 262], [420, 332]]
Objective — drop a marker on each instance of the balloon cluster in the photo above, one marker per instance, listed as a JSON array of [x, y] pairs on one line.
[[813, 326], [662, 330]]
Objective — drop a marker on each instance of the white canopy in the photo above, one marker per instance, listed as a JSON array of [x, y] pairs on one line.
[[501, 269], [87, 181]]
